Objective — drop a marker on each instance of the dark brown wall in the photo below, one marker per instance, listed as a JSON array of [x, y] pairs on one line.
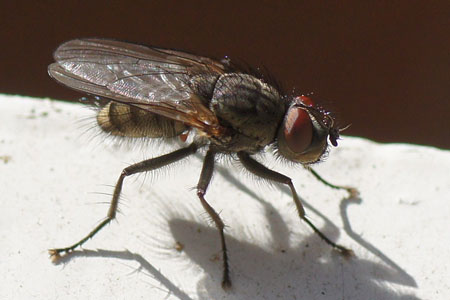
[[384, 66]]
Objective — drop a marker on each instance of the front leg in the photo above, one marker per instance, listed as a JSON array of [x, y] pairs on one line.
[[260, 170], [353, 192]]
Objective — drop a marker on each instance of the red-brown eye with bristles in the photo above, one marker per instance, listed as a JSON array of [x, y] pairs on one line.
[[302, 138], [298, 129]]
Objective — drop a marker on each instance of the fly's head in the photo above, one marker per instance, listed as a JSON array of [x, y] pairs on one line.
[[305, 131]]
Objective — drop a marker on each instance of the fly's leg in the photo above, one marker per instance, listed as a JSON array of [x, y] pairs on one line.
[[202, 186], [143, 166], [353, 192], [260, 170]]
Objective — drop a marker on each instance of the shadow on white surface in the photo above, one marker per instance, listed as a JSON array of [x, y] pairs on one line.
[[126, 255]]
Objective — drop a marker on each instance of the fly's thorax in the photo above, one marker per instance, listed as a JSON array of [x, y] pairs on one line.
[[125, 120], [248, 106], [202, 85]]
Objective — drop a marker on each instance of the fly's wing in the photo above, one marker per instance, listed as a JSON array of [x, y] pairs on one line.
[[150, 78]]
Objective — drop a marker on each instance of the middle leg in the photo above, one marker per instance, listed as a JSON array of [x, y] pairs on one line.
[[202, 186]]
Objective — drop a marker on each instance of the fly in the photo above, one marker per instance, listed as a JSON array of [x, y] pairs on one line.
[[159, 93]]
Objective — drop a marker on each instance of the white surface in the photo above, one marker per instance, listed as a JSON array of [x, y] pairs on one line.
[[52, 172]]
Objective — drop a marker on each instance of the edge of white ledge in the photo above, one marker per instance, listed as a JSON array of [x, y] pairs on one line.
[[51, 172]]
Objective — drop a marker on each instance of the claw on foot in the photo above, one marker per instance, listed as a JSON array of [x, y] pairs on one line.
[[55, 255], [346, 253], [353, 192]]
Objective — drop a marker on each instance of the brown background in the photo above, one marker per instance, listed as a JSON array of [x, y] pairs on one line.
[[384, 66]]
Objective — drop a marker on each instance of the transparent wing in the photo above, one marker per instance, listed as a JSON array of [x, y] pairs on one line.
[[150, 78]]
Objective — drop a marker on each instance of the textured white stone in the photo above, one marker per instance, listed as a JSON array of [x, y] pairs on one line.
[[53, 171]]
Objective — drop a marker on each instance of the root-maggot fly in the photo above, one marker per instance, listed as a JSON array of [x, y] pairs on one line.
[[159, 93]]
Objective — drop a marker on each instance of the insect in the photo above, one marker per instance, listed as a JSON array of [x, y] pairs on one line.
[[160, 93]]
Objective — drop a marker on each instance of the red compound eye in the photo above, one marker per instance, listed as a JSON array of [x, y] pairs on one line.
[[306, 100], [298, 129]]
